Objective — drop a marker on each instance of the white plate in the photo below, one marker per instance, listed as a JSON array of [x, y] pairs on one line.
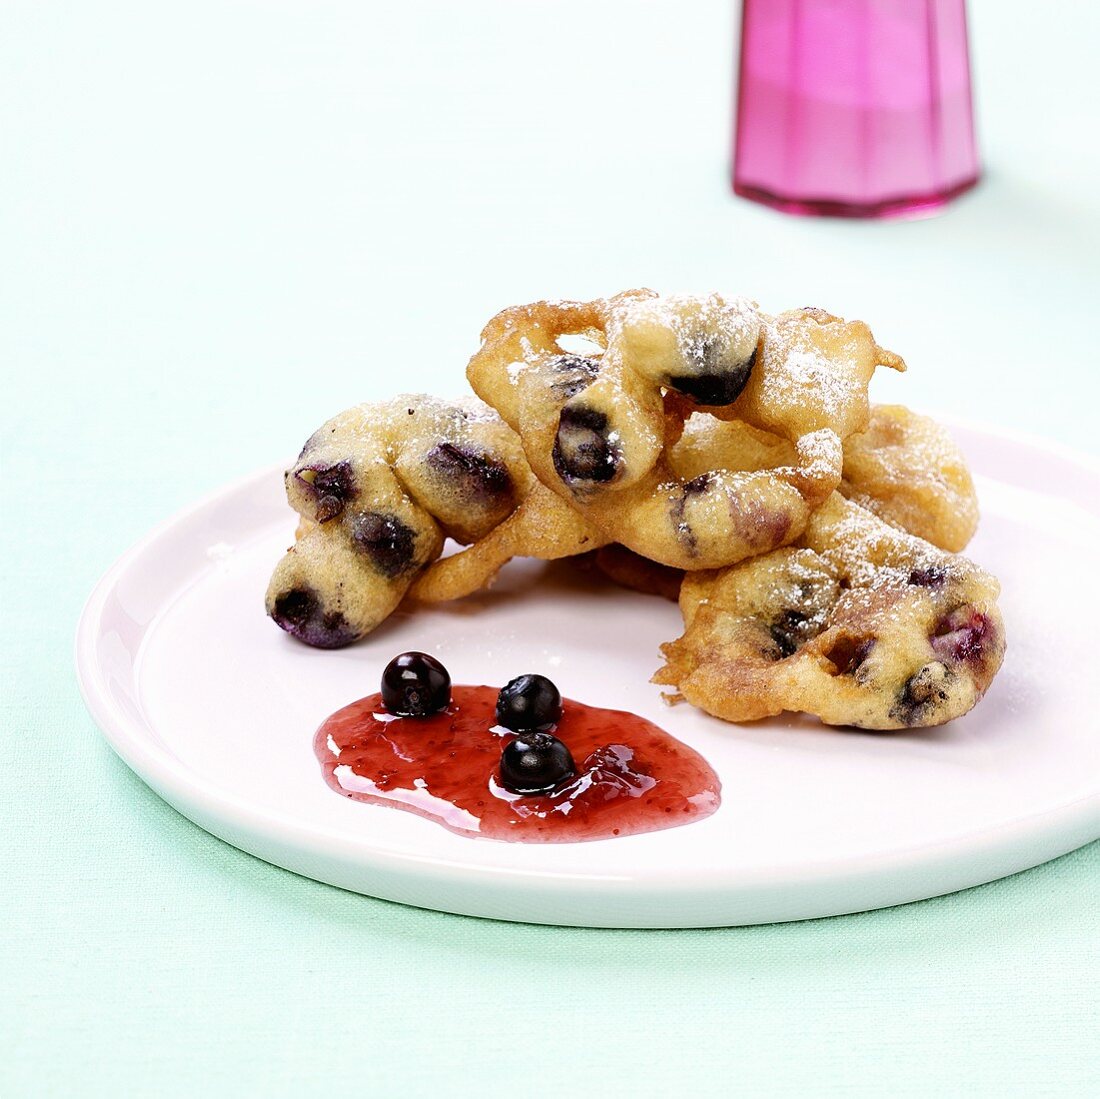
[[215, 709]]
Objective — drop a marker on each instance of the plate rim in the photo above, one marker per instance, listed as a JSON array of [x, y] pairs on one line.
[[1019, 844]]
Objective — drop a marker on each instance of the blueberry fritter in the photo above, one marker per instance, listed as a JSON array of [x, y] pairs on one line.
[[860, 624], [379, 487], [904, 467], [597, 429]]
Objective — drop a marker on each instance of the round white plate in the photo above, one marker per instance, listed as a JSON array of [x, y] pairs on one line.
[[215, 709]]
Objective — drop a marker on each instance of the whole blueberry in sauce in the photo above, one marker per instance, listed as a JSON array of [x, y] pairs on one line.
[[535, 763], [528, 702], [415, 685]]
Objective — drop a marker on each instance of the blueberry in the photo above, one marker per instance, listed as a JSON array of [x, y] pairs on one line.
[[962, 634], [930, 576], [575, 374], [585, 364], [534, 763], [921, 692], [387, 541], [415, 685], [583, 449], [529, 702], [788, 632], [331, 486], [300, 612], [474, 475], [698, 485], [924, 686], [718, 382]]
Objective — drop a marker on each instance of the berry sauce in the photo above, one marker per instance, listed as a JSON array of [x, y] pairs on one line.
[[631, 775]]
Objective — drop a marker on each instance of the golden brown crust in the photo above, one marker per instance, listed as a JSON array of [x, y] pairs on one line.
[[630, 570], [543, 526], [904, 467], [692, 433], [598, 429], [378, 488], [861, 625], [907, 469]]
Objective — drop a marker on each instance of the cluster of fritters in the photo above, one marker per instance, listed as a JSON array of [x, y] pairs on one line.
[[698, 448]]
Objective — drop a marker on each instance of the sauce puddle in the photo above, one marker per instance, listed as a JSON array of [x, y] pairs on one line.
[[631, 776]]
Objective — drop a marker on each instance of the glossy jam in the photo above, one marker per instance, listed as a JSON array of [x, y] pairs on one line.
[[631, 775]]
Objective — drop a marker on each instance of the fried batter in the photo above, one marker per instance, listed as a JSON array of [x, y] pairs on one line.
[[905, 468], [597, 428], [860, 624], [379, 487]]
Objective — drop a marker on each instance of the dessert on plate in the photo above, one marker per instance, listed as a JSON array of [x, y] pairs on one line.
[[696, 446]]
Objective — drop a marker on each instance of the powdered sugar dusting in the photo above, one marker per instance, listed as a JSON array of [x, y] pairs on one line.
[[805, 378], [705, 329], [871, 553]]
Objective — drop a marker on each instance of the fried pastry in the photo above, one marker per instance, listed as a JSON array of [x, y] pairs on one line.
[[860, 624], [908, 470], [543, 526], [630, 570], [597, 428], [904, 467], [694, 447], [379, 488]]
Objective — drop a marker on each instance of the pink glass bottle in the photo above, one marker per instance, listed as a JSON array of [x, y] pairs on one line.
[[855, 108]]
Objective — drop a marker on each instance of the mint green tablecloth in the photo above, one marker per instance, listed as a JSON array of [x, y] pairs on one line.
[[219, 223]]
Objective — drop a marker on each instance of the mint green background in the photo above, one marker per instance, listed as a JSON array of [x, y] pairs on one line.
[[222, 222]]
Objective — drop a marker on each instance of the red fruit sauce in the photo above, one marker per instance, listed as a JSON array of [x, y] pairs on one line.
[[631, 775]]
